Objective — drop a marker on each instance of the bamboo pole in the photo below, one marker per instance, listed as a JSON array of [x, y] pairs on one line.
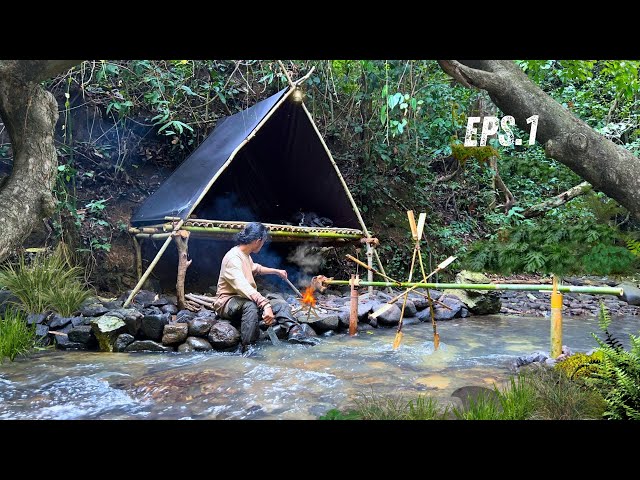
[[556, 320], [370, 267], [224, 231], [151, 267], [344, 184], [153, 236], [489, 286]]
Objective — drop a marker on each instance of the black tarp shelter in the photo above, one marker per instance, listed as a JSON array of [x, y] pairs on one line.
[[265, 163]]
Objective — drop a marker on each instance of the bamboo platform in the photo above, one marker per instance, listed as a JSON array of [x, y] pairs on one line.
[[227, 229]]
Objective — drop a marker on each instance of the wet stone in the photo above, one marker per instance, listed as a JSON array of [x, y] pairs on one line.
[[200, 326], [147, 346], [93, 310], [83, 334], [223, 335], [198, 344], [174, 333], [169, 308], [36, 318], [56, 322], [183, 316], [122, 341]]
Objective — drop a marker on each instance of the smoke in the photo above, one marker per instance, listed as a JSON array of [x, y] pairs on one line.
[[308, 259]]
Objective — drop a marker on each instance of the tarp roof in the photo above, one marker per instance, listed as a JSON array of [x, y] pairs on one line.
[[282, 170]]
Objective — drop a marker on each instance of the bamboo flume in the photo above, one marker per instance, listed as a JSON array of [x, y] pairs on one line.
[[619, 291]]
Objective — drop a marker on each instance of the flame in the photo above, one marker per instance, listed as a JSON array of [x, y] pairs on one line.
[[308, 298]]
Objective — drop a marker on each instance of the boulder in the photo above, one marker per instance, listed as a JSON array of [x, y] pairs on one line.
[[200, 326], [631, 293], [479, 302], [83, 334], [327, 322], [198, 344], [131, 317], [153, 325], [223, 336], [93, 310], [63, 343], [106, 329], [174, 333], [122, 342], [453, 302], [391, 316]]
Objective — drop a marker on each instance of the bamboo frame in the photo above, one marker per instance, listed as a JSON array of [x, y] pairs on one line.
[[344, 184]]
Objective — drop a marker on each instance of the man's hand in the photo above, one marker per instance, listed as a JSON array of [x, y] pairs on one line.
[[281, 273], [267, 315]]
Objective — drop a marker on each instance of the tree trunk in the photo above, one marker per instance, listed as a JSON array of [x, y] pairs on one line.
[[30, 114], [608, 167]]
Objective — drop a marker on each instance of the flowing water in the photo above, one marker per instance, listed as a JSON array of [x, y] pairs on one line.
[[288, 381]]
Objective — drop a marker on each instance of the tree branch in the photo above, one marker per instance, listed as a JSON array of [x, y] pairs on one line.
[[469, 77], [35, 70], [551, 203]]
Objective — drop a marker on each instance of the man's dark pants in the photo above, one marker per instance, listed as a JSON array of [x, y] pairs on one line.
[[247, 313]]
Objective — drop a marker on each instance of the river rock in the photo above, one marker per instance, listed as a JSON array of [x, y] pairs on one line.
[[78, 321], [142, 299], [343, 316], [452, 302], [147, 346], [56, 321], [198, 344], [631, 293], [36, 318], [391, 316], [410, 321], [472, 394], [153, 325], [480, 302], [207, 315], [424, 315], [106, 329], [42, 335], [131, 317], [174, 333], [169, 308], [328, 322], [93, 310], [183, 316], [83, 334], [200, 326], [364, 309], [63, 343], [122, 342], [223, 336], [185, 348]]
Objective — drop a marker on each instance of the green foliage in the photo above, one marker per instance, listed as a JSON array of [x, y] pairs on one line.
[[16, 337], [66, 298], [393, 407], [552, 244], [617, 376], [335, 414], [45, 282], [579, 364], [558, 397]]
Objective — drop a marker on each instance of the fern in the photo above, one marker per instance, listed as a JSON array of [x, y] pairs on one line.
[[617, 376], [633, 246]]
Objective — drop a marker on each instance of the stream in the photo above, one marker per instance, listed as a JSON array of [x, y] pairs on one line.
[[287, 381]]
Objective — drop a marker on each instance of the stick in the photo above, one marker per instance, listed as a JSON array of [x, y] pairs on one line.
[[294, 287]]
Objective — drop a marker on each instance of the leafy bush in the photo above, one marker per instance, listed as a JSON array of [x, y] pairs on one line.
[[579, 364], [47, 281], [16, 337], [560, 245], [617, 376]]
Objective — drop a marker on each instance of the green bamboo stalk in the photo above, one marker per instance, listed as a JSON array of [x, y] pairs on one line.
[[489, 286], [223, 231]]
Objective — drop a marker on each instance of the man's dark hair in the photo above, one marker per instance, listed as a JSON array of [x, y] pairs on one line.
[[253, 231]]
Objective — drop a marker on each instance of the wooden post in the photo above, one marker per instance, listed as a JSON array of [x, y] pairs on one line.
[[353, 314], [138, 247], [182, 240], [556, 320], [370, 271]]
